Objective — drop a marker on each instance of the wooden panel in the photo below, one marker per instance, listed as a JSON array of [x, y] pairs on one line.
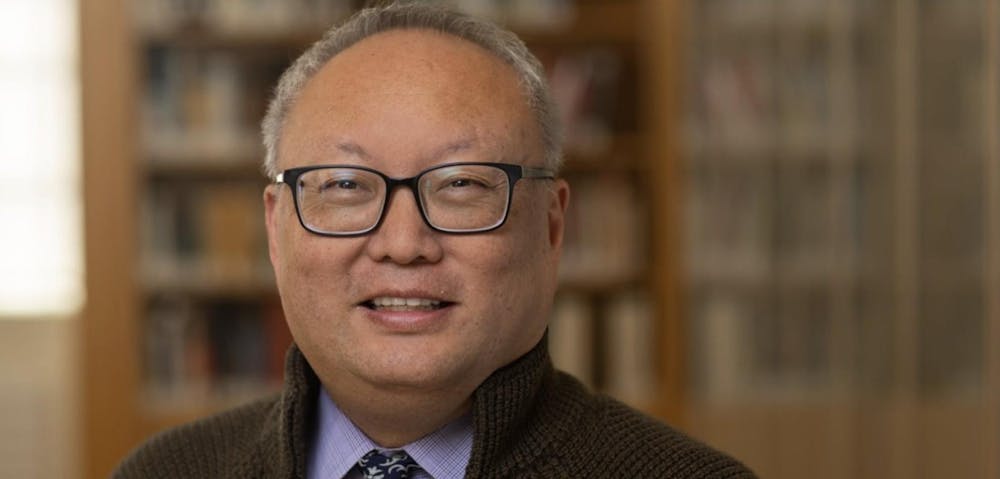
[[991, 283], [741, 430], [795, 439], [905, 238], [662, 33], [950, 441], [109, 362]]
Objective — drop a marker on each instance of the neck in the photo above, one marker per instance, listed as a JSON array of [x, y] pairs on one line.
[[395, 416]]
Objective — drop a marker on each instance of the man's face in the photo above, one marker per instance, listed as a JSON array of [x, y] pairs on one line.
[[401, 102]]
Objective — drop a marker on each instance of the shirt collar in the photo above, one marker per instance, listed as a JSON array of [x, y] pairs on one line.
[[338, 445], [507, 425]]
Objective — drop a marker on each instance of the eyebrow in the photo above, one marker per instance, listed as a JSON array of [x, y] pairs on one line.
[[353, 149], [455, 147]]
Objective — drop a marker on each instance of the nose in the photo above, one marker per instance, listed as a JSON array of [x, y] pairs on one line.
[[403, 237]]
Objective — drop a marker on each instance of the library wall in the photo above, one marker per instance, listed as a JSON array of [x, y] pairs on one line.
[[784, 233]]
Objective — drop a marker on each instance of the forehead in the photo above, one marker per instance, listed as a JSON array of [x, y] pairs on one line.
[[409, 88]]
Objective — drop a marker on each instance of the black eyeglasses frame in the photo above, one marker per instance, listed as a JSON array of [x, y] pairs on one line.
[[514, 173]]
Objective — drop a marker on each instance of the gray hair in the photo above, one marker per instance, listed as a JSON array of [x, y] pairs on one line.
[[502, 43]]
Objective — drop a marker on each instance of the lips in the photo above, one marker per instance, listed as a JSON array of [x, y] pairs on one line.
[[407, 312]]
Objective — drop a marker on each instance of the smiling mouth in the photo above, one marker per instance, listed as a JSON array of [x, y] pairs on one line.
[[405, 304]]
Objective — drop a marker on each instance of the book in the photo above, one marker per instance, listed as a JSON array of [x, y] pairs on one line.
[[721, 329], [630, 373], [605, 230], [571, 337], [231, 221], [196, 349]]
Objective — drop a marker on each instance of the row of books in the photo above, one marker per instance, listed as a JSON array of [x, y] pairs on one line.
[[214, 347], [745, 345], [197, 104], [756, 94], [282, 16], [784, 17], [609, 343], [752, 346], [204, 230], [744, 222], [606, 229], [596, 97], [743, 107], [204, 104], [240, 16]]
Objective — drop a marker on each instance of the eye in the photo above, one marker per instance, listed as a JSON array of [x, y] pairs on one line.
[[340, 184], [465, 182]]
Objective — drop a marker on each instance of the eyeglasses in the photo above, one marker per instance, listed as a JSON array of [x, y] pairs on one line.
[[343, 200]]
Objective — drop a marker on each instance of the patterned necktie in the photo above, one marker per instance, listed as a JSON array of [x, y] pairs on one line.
[[395, 465]]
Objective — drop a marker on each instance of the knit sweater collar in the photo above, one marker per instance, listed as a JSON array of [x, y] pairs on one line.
[[501, 408]]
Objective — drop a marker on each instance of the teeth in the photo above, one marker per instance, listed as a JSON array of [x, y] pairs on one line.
[[405, 304]]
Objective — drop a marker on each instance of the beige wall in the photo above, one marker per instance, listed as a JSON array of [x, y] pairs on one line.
[[38, 397]]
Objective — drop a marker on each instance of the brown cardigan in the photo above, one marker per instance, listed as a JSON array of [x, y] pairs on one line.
[[528, 421]]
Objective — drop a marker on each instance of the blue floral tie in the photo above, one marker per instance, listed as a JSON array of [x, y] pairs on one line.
[[392, 465]]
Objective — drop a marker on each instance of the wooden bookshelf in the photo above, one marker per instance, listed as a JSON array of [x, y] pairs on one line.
[[834, 162]]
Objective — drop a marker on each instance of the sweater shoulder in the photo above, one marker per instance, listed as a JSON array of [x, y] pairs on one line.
[[214, 446], [624, 442]]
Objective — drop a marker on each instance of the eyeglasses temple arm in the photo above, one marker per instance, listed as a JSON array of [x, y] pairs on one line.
[[532, 172]]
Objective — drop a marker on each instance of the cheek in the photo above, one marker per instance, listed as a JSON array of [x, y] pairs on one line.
[[315, 270], [508, 276], [315, 287]]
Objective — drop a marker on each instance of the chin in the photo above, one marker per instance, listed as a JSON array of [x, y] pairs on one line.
[[414, 376]]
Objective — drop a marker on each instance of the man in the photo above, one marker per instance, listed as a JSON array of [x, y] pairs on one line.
[[415, 226]]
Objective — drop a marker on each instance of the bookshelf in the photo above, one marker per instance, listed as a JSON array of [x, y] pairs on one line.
[[183, 317], [839, 231]]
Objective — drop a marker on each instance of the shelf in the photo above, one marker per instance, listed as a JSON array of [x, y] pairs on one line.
[[186, 156], [739, 20], [944, 275], [205, 39], [598, 23], [589, 284], [257, 283], [190, 169], [621, 156], [765, 274], [593, 23], [166, 146], [243, 159], [814, 145]]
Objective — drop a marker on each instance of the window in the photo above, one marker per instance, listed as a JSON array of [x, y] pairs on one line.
[[41, 264]]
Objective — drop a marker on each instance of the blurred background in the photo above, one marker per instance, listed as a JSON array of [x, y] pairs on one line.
[[784, 235]]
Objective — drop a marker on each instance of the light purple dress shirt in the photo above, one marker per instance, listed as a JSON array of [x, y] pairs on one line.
[[338, 445]]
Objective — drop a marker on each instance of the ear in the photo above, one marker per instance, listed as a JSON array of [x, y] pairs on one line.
[[271, 214], [558, 202]]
